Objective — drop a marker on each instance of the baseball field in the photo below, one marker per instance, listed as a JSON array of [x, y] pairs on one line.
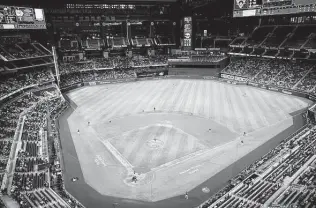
[[173, 135]]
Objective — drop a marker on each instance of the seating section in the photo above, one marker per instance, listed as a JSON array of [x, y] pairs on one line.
[[278, 36], [140, 61], [143, 61], [164, 40], [311, 43], [98, 69], [69, 44], [238, 41], [78, 77], [119, 42], [141, 41], [299, 37], [22, 51], [32, 179], [66, 68], [284, 41], [258, 51], [259, 35], [280, 73], [255, 185], [308, 83], [158, 60], [292, 73], [285, 54], [101, 63], [33, 49], [13, 82], [246, 67], [93, 43]]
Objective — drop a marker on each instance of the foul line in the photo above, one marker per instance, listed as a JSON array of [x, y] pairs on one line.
[[114, 151], [188, 157], [117, 155]]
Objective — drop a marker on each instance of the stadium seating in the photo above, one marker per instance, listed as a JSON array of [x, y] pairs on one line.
[[98, 69], [280, 73], [256, 184], [299, 37], [119, 42], [164, 41], [17, 81], [30, 183], [279, 34], [22, 51], [245, 67], [311, 42], [258, 35], [142, 42], [238, 41]]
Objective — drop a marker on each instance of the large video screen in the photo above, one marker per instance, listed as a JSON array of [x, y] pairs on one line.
[[21, 18], [246, 8]]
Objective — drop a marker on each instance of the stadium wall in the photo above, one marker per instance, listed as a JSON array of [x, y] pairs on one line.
[[194, 71]]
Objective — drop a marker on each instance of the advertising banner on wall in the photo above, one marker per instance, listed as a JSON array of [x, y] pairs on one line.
[[233, 77], [152, 74]]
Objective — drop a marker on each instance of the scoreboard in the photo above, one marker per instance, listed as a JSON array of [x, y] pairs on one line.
[[187, 33], [21, 18], [247, 8]]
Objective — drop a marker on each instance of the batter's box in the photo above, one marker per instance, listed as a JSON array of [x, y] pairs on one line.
[[155, 145]]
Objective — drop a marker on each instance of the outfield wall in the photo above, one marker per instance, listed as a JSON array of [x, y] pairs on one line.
[[195, 71]]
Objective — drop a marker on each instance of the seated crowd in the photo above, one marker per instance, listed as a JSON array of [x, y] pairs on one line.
[[280, 73], [253, 188], [17, 81], [30, 185], [22, 51], [99, 69], [302, 191], [117, 62], [88, 76], [9, 117]]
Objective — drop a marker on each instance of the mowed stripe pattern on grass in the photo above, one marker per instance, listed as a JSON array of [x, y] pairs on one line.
[[176, 144], [221, 102]]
